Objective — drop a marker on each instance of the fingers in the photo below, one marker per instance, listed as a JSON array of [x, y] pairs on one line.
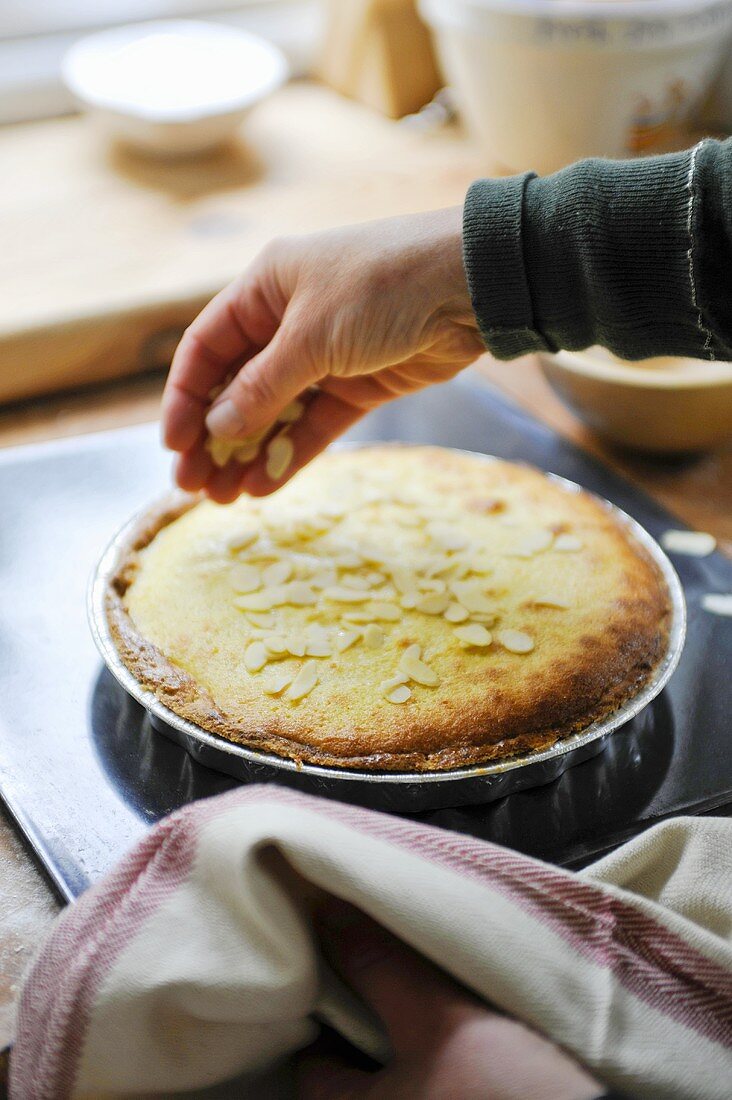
[[194, 467], [273, 378], [414, 1000], [325, 419], [321, 1078], [332, 1069], [228, 331]]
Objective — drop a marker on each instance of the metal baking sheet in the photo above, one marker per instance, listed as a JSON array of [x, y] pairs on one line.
[[398, 791], [84, 773]]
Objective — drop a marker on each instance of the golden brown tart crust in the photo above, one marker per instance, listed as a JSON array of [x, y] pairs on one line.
[[516, 709]]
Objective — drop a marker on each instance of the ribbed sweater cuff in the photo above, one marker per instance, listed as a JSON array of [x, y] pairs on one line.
[[632, 255], [606, 246], [494, 264]]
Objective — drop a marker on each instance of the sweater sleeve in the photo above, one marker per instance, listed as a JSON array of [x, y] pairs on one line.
[[634, 255]]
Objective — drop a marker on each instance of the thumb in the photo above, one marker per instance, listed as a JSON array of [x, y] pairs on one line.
[[414, 999], [259, 392]]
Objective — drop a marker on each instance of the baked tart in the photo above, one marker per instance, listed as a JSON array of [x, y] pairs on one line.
[[392, 608]]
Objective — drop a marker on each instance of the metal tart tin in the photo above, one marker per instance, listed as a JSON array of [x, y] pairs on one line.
[[406, 792]]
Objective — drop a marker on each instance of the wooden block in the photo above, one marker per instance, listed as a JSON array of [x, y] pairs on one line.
[[380, 53]]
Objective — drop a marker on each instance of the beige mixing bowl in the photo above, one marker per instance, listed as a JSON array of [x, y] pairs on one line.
[[657, 405]]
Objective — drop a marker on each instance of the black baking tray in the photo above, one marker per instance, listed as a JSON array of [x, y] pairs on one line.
[[84, 773]]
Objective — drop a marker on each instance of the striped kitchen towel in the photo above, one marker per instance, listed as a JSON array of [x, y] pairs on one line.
[[195, 961]]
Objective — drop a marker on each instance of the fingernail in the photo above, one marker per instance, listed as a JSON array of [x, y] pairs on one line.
[[225, 420]]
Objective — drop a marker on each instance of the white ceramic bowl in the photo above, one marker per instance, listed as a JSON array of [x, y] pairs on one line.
[[545, 82], [662, 406], [172, 87]]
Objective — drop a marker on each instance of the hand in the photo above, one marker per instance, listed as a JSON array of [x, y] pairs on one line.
[[365, 313], [445, 1042]]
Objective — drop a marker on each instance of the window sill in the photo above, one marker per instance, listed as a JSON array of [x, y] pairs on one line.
[[30, 66]]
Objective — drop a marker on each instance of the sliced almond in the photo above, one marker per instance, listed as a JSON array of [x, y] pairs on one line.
[[279, 572], [404, 579], [260, 601], [446, 538], [394, 681], [304, 682], [358, 617], [456, 613], [317, 525], [432, 584], [340, 594], [374, 555], [567, 543], [280, 453], [373, 636], [434, 604], [286, 534], [412, 651], [533, 543], [357, 581], [385, 612], [255, 656], [318, 641], [347, 559], [334, 510], [400, 694], [481, 563], [221, 450], [244, 578], [559, 602], [418, 671], [324, 578], [261, 619], [239, 540], [469, 594], [344, 639], [696, 544], [276, 644], [296, 645], [246, 452], [473, 634], [299, 594], [291, 412], [717, 603], [515, 641], [409, 600], [277, 683]]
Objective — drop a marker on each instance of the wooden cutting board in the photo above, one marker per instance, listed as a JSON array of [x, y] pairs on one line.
[[107, 255]]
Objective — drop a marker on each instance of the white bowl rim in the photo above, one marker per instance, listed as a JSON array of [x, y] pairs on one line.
[[75, 59], [711, 373], [463, 14]]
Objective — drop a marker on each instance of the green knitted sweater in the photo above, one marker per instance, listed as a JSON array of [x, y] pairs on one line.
[[634, 255]]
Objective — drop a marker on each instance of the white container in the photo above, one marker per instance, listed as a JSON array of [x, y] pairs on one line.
[[173, 87], [545, 82]]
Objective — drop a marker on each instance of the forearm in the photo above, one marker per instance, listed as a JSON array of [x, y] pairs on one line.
[[633, 255]]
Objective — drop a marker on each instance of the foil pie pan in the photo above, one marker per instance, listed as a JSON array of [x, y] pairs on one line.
[[399, 791]]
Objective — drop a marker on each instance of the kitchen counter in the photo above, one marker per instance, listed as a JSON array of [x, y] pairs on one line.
[[106, 256]]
